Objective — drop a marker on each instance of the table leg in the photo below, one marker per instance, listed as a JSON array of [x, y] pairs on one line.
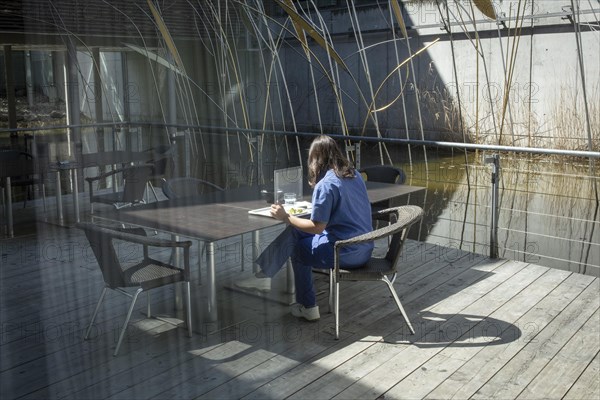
[[290, 283], [42, 189], [201, 244], [8, 203], [242, 252], [59, 207], [211, 282], [176, 261], [255, 248], [75, 194]]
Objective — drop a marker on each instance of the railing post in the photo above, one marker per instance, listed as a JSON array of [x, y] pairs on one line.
[[494, 159], [356, 149]]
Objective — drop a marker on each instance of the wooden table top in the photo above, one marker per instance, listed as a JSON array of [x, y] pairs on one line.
[[222, 215]]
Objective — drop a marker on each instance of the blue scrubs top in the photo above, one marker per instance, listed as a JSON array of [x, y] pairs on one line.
[[343, 204]]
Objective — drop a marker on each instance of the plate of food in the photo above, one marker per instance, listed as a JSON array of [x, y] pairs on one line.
[[298, 209]]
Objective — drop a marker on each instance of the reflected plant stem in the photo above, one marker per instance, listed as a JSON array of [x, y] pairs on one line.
[[589, 247]]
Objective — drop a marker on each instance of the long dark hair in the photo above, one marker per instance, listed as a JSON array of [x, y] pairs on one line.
[[324, 154]]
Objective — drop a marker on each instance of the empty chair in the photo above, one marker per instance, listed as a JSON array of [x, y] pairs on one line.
[[384, 174], [25, 162], [134, 187], [376, 269], [177, 188], [161, 160], [142, 275]]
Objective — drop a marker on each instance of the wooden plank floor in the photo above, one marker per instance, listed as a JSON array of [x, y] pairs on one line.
[[484, 329]]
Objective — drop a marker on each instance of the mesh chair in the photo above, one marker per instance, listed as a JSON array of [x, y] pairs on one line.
[[144, 275], [161, 160], [177, 188], [26, 181], [376, 269], [134, 186], [383, 174]]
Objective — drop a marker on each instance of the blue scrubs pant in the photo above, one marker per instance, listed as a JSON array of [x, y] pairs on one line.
[[307, 251]]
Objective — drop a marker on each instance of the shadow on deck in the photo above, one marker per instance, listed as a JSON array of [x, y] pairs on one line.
[[485, 328]]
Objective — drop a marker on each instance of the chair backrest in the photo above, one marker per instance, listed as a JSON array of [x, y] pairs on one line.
[[403, 218], [102, 243], [384, 174], [9, 155], [182, 187], [135, 178], [13, 155], [17, 164], [161, 157]]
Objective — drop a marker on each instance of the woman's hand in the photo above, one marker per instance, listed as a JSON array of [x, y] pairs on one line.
[[304, 224], [278, 212]]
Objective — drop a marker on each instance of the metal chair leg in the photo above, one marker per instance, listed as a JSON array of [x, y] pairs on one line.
[[122, 335], [330, 291], [151, 186], [44, 197], [397, 300], [188, 307], [87, 332], [337, 310], [148, 308]]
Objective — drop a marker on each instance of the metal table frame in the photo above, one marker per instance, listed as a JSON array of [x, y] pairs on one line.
[[216, 219]]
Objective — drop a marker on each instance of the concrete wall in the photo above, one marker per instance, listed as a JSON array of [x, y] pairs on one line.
[[252, 87], [545, 79]]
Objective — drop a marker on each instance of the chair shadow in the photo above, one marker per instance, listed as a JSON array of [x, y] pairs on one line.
[[456, 330]]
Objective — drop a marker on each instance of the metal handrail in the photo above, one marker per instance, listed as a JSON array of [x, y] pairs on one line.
[[493, 159], [351, 138]]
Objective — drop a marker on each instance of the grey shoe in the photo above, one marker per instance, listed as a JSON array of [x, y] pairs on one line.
[[258, 284], [309, 314]]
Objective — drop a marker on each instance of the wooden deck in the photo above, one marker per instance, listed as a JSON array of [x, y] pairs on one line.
[[485, 329]]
